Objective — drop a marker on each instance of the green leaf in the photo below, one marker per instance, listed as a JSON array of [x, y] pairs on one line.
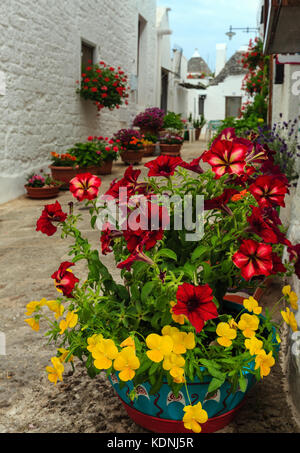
[[147, 290], [243, 383], [215, 384], [168, 253], [198, 252]]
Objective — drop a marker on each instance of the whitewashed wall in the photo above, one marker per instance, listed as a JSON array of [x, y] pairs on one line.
[[40, 61], [215, 102]]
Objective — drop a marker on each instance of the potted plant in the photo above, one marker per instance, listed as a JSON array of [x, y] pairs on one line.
[[131, 145], [96, 155], [104, 85], [149, 142], [173, 121], [198, 125], [171, 144], [150, 121], [41, 186], [63, 168], [179, 356]]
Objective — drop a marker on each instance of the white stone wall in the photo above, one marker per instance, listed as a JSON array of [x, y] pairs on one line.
[[215, 102], [40, 43]]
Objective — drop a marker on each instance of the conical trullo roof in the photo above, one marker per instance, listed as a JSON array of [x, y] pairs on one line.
[[197, 65], [234, 66]]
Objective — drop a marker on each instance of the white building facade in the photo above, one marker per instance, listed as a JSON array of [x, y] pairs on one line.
[[41, 55]]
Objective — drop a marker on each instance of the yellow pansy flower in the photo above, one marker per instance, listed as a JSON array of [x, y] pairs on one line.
[[34, 306], [254, 345], [248, 324], [64, 354], [104, 353], [126, 363], [226, 334], [293, 299], [181, 340], [177, 375], [290, 319], [232, 324], [56, 307], [93, 341], [291, 296], [33, 323], [160, 346], [180, 319], [264, 362], [173, 361], [68, 323], [128, 342], [286, 290], [56, 371], [252, 305], [194, 416]]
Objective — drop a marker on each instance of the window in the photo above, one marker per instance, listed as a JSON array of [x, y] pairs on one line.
[[279, 74], [233, 106], [201, 105], [87, 54]]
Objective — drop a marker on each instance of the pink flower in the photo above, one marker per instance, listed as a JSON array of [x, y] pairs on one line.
[[85, 186]]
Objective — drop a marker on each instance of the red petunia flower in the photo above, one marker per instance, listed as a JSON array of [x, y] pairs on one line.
[[129, 181], [294, 252], [137, 255], [260, 227], [196, 303], [268, 191], [253, 259], [163, 166], [278, 267], [226, 156], [221, 201], [193, 166], [51, 213], [108, 236], [85, 186], [64, 279]]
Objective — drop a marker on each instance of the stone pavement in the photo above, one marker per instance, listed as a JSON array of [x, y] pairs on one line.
[[28, 402]]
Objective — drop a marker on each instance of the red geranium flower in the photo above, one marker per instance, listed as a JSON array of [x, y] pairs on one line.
[[64, 279], [163, 166], [253, 259], [85, 186], [196, 303], [193, 166], [268, 191], [226, 156], [51, 213]]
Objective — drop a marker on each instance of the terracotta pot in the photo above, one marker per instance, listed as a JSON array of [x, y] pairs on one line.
[[64, 174], [149, 150], [132, 157], [42, 192], [198, 132], [106, 168], [170, 150]]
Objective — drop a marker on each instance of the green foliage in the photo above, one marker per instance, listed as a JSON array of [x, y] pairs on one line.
[[173, 121]]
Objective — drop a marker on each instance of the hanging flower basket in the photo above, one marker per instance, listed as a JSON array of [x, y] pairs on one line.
[[104, 85]]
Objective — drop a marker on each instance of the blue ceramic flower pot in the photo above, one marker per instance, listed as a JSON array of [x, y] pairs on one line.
[[163, 412]]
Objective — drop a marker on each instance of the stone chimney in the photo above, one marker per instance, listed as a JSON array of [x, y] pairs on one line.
[[221, 51]]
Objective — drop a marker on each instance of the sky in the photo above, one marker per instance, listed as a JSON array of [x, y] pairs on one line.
[[203, 23]]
